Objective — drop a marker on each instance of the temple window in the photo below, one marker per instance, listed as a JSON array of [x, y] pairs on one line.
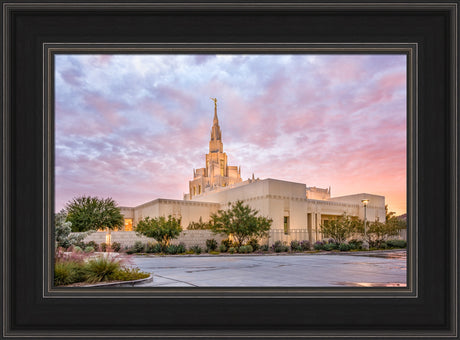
[[128, 224]]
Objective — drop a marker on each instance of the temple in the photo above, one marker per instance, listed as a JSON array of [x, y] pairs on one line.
[[297, 210]]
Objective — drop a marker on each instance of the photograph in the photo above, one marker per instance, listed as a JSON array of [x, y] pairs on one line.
[[230, 170]]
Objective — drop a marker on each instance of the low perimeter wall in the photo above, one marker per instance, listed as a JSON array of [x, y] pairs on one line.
[[128, 238]]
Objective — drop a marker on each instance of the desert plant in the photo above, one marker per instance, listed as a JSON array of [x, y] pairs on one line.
[[103, 247], [200, 225], [222, 248], [100, 269], [232, 250], [264, 247], [305, 245], [196, 249], [77, 249], [172, 249], [227, 243], [138, 247], [397, 243], [295, 246], [116, 246], [245, 249], [128, 274], [181, 248], [254, 243], [344, 247], [68, 272], [330, 246], [279, 247], [319, 245], [211, 245], [89, 249]]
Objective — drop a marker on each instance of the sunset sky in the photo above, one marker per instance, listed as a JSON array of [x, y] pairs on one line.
[[133, 127]]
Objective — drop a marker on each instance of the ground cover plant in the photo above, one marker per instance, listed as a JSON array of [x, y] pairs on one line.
[[79, 267]]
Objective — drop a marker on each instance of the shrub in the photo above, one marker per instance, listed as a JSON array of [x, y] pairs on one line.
[[103, 247], [397, 243], [344, 247], [68, 272], [318, 245], [254, 243], [227, 243], [305, 245], [181, 248], [92, 244], [138, 247], [355, 244], [383, 245], [295, 246], [196, 249], [128, 274], [330, 246], [77, 249], [89, 249], [211, 245], [100, 269], [171, 249], [222, 248], [264, 247], [232, 250], [331, 240], [116, 246], [279, 247], [245, 249]]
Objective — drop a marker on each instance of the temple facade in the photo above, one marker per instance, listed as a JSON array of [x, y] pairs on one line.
[[297, 211]]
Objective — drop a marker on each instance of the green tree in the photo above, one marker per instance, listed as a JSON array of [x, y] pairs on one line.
[[241, 222], [161, 229], [342, 228], [93, 213], [379, 232]]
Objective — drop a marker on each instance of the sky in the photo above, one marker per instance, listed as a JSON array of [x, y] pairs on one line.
[[133, 127]]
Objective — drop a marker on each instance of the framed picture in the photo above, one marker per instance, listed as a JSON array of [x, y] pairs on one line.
[[37, 34]]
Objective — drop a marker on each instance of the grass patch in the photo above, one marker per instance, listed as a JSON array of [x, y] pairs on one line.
[[92, 270]]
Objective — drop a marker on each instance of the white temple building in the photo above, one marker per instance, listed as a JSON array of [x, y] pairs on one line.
[[297, 211]]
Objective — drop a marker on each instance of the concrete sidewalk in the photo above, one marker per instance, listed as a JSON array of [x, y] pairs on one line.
[[379, 268]]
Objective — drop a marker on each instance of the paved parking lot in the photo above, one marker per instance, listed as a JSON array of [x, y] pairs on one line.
[[287, 270]]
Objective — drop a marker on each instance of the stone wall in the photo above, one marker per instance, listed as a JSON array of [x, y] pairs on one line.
[[128, 238]]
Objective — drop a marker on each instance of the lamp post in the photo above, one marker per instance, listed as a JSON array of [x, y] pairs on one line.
[[365, 242]]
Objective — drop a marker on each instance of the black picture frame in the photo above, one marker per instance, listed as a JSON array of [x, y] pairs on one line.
[[428, 309]]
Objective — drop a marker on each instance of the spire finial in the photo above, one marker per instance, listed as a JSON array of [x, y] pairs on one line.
[[216, 120]]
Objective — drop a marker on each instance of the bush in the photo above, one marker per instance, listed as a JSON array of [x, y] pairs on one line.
[[330, 246], [318, 245], [77, 249], [181, 248], [171, 249], [89, 249], [128, 274], [100, 269], [211, 245], [305, 245], [295, 246], [103, 247], [196, 249], [279, 247], [397, 243], [227, 243], [264, 247], [355, 244], [232, 250], [138, 247], [222, 248], [383, 245], [92, 244], [254, 243], [245, 249], [116, 246], [68, 272], [344, 247]]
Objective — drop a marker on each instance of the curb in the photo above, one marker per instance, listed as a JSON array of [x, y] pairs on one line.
[[131, 283]]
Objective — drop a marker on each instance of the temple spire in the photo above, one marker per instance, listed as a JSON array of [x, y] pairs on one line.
[[215, 145], [216, 120]]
